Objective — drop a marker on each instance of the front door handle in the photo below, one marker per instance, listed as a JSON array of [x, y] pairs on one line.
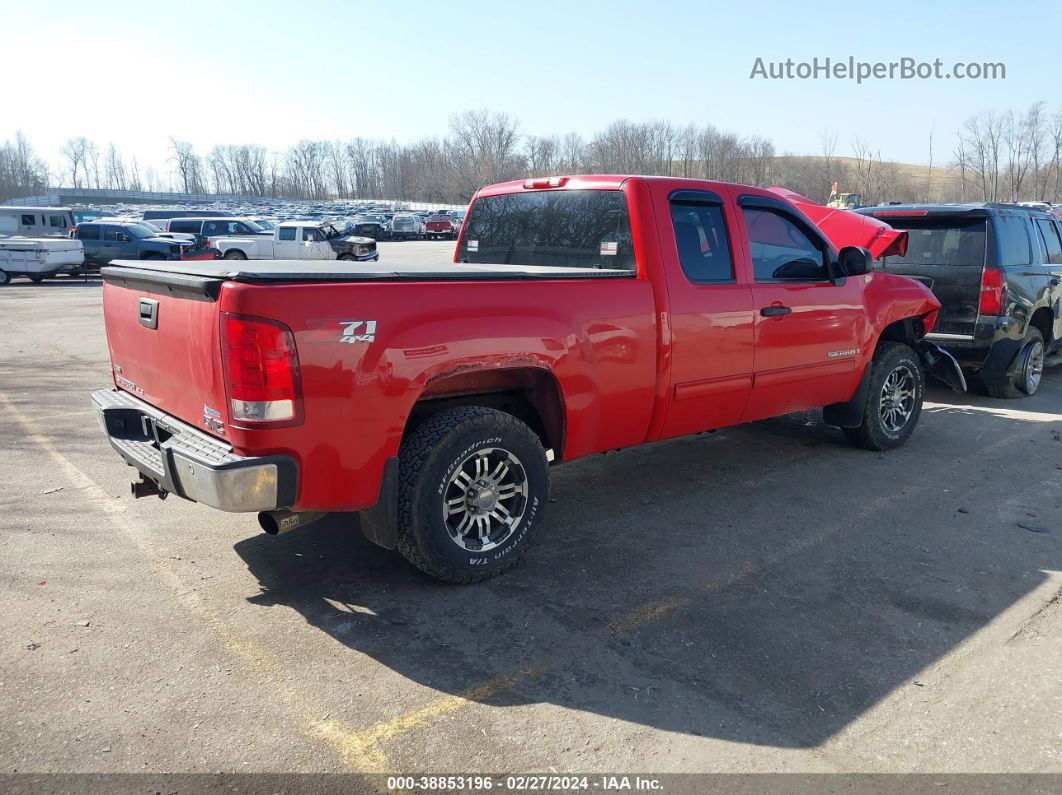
[[775, 311]]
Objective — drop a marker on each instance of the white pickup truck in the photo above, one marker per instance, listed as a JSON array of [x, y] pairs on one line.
[[39, 257], [299, 240]]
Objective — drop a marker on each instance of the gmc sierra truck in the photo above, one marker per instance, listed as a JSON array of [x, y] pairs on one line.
[[582, 315]]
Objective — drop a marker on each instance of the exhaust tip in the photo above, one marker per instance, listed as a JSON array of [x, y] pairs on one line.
[[275, 523]]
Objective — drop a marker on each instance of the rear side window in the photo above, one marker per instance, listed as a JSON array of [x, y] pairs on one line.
[[781, 250], [1013, 235], [88, 232], [701, 241], [1049, 230], [563, 228], [29, 220], [286, 233]]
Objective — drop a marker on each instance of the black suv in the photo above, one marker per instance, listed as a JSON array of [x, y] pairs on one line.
[[995, 268]]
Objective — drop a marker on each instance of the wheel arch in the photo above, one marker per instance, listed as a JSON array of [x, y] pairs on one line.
[[531, 394], [1043, 319]]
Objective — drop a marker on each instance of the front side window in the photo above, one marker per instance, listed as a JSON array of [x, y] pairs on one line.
[[701, 241], [286, 233], [56, 222], [113, 233], [311, 235], [559, 228], [781, 250]]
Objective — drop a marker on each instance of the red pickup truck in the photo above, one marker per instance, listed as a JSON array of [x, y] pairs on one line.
[[582, 314]]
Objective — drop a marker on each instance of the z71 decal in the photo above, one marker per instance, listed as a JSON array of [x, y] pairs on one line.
[[358, 330]]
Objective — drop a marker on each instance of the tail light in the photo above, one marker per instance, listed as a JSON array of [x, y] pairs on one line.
[[993, 291], [261, 370]]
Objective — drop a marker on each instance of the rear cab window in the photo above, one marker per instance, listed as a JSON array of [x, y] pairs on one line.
[[559, 228]]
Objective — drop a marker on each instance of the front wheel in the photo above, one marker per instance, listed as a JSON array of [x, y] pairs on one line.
[[346, 257], [473, 485], [36, 278], [894, 399]]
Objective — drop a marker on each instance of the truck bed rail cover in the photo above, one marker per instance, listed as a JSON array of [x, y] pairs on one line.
[[341, 271]]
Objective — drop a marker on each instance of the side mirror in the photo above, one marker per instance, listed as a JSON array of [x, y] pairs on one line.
[[854, 261], [124, 238]]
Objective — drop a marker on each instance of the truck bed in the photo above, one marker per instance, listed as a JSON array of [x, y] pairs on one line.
[[340, 271]]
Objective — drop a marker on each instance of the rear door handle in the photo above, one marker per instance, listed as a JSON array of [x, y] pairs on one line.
[[775, 311]]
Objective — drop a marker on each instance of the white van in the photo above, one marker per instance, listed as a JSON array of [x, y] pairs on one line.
[[36, 221]]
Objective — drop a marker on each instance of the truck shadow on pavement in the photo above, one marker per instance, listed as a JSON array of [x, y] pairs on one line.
[[766, 584]]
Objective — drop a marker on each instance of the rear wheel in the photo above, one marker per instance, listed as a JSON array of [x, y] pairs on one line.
[[234, 254], [4, 278], [1028, 373], [894, 399], [473, 484]]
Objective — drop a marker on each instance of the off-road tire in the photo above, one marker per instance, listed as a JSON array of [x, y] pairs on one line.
[[1018, 385], [429, 457], [873, 433]]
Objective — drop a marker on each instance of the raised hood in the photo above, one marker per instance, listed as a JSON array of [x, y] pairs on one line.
[[846, 228]]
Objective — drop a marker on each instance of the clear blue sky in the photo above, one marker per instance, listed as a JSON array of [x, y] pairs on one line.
[[272, 73]]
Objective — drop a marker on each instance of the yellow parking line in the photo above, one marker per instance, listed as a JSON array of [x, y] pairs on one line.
[[364, 746]]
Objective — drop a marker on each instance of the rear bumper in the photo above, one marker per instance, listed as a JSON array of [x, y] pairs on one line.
[[991, 350], [184, 461]]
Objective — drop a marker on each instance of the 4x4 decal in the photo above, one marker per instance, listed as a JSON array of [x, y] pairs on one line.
[[358, 330]]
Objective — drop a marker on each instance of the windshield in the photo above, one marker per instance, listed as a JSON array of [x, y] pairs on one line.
[[566, 228], [149, 226], [137, 230], [329, 231], [941, 241], [264, 225]]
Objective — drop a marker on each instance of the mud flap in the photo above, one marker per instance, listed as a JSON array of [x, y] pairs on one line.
[[379, 523], [850, 413], [942, 365]]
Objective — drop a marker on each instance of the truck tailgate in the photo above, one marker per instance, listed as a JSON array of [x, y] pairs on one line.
[[164, 342]]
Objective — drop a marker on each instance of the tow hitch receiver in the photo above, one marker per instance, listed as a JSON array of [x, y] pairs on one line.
[[145, 487], [942, 365]]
